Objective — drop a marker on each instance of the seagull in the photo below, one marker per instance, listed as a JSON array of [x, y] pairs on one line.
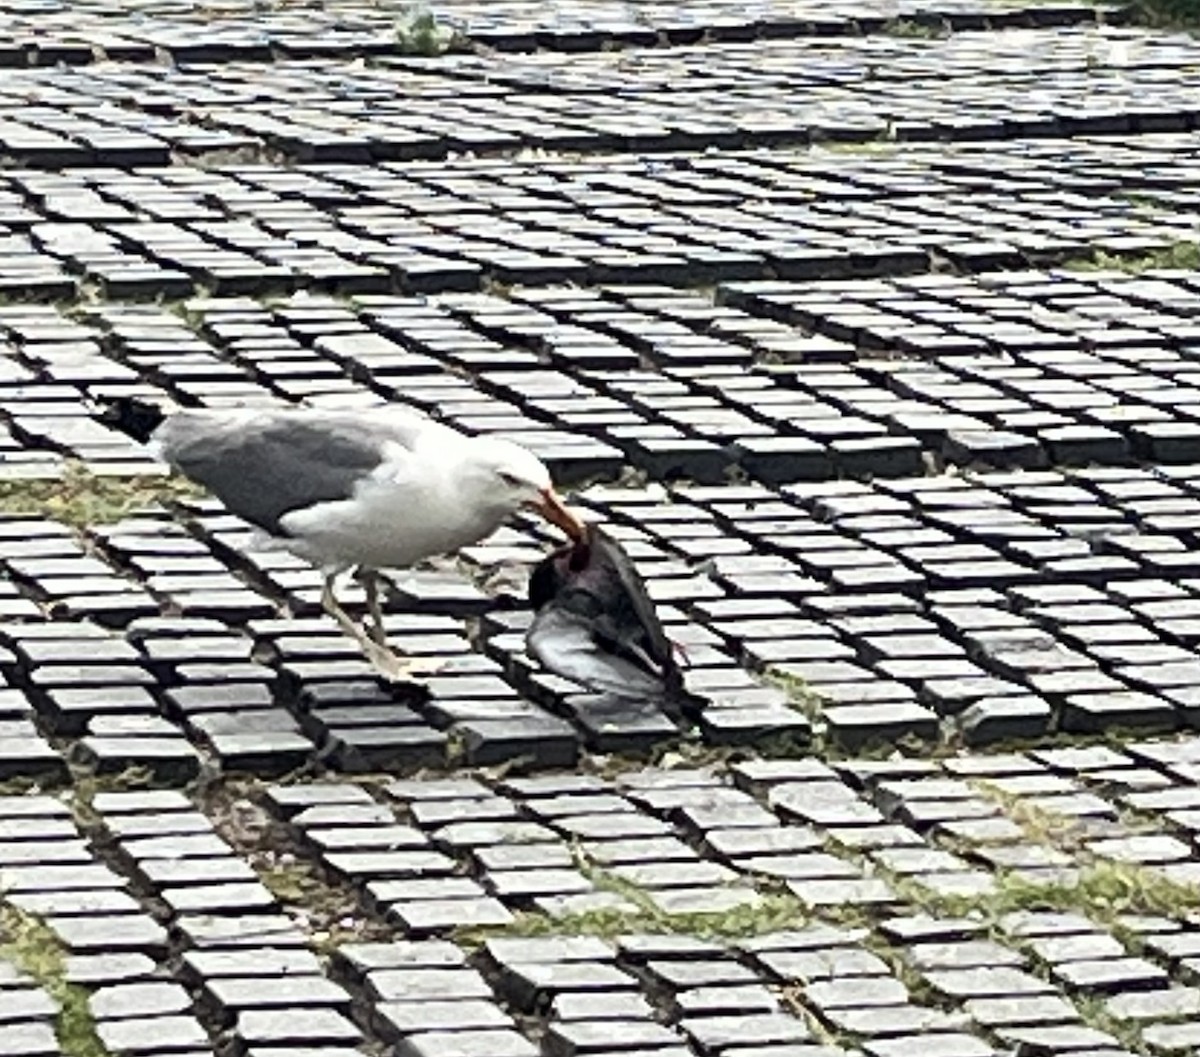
[[370, 489]]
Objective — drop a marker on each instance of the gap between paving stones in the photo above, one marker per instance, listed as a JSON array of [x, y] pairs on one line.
[[81, 498]]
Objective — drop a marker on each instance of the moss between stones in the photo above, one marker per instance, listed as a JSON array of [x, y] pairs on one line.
[[80, 498], [29, 944], [420, 33], [1165, 14], [1185, 255], [772, 911], [929, 29]]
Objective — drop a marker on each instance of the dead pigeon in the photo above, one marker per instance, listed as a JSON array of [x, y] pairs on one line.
[[595, 623]]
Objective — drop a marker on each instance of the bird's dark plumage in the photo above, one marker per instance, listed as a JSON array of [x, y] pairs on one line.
[[135, 418], [596, 624]]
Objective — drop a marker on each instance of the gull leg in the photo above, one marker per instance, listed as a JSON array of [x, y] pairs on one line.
[[382, 659], [370, 581], [346, 622], [414, 665]]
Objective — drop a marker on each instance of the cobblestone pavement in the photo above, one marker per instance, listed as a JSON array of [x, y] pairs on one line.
[[871, 330]]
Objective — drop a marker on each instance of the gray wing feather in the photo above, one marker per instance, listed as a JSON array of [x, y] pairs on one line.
[[563, 642], [263, 466]]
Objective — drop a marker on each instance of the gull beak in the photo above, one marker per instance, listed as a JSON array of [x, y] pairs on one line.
[[551, 507]]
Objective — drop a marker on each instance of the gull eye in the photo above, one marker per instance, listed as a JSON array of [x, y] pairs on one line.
[[510, 480]]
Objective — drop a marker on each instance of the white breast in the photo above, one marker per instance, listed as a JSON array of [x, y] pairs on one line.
[[409, 509]]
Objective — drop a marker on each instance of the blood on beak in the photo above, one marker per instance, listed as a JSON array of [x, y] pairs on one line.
[[551, 507]]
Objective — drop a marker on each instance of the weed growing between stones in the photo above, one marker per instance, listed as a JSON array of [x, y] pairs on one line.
[[420, 33], [1054, 829], [85, 787], [884, 143], [801, 696], [1104, 891], [332, 917], [919, 989], [935, 29], [80, 498], [1185, 255], [22, 785], [1164, 14], [330, 912], [1041, 827], [607, 881], [30, 945], [1093, 1010], [292, 883], [771, 913]]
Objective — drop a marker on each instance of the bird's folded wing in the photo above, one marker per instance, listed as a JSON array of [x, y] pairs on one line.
[[263, 466], [656, 644]]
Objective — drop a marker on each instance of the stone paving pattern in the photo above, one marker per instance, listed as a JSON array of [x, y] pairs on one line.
[[868, 328]]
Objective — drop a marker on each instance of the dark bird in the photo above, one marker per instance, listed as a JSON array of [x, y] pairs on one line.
[[596, 624]]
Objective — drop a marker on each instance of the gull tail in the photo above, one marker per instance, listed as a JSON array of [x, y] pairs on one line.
[[133, 417]]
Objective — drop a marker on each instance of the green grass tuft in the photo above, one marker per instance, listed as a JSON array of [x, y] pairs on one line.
[[921, 29], [31, 946], [800, 695], [1164, 14], [420, 33], [772, 911], [1184, 255], [81, 498]]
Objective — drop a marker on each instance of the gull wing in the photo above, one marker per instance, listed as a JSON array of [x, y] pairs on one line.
[[265, 464]]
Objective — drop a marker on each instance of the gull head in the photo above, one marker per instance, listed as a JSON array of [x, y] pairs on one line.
[[507, 477]]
